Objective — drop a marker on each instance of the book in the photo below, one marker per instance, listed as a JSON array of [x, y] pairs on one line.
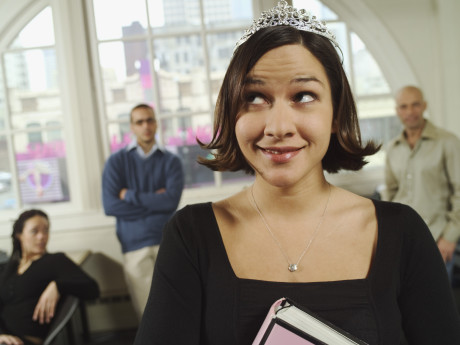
[[289, 323]]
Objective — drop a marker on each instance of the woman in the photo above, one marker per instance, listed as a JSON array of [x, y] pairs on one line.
[[285, 112], [33, 281]]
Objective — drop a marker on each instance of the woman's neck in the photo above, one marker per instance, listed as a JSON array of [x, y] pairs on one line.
[[293, 199], [27, 258]]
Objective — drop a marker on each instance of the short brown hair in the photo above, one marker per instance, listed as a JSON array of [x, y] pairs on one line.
[[345, 150], [141, 106]]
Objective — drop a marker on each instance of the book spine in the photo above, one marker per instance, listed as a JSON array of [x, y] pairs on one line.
[[267, 322]]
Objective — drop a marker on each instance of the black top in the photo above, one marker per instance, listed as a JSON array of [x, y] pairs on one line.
[[19, 294], [196, 298]]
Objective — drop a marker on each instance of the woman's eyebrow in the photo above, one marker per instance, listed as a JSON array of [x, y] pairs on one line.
[[253, 81], [303, 80], [297, 80]]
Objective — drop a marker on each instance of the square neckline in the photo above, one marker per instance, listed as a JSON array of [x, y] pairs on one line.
[[312, 283]]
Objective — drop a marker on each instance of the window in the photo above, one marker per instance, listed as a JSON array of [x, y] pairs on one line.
[[172, 55], [31, 145], [34, 137]]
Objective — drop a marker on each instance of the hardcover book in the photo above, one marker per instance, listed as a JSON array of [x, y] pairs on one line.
[[288, 323]]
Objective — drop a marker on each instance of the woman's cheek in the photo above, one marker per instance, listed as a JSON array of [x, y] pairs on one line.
[[248, 127]]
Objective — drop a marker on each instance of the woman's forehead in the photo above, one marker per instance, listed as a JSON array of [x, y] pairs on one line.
[[290, 63]]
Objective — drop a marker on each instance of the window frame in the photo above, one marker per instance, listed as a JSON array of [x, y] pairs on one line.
[[76, 97]]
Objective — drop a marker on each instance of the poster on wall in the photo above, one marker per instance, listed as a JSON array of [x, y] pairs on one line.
[[39, 180]]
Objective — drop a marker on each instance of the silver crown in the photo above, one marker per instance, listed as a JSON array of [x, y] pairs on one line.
[[283, 14]]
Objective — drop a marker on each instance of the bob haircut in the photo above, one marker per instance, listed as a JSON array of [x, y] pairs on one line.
[[345, 150], [18, 227]]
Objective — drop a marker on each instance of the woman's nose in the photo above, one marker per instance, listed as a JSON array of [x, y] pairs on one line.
[[42, 234], [280, 122]]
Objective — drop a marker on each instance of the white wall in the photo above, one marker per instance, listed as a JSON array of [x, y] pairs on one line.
[[427, 34]]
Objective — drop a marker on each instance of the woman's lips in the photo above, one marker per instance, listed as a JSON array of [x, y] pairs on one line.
[[280, 154]]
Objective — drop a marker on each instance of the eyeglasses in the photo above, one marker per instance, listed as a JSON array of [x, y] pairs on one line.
[[149, 121]]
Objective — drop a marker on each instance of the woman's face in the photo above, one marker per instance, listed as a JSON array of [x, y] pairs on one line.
[[34, 236], [284, 127]]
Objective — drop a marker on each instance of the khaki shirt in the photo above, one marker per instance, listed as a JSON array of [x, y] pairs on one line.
[[427, 178]]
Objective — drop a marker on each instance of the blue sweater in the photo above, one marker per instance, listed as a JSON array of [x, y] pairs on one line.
[[143, 213]]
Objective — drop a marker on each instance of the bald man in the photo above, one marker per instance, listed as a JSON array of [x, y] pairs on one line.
[[423, 170]]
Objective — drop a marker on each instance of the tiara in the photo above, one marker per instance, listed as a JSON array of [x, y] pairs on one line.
[[283, 14]]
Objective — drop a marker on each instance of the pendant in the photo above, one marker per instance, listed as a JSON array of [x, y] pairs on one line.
[[292, 267]]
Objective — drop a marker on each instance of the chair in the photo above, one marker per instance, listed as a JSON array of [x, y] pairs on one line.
[[65, 311]]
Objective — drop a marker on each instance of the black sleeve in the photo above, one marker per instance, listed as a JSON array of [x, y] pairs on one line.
[[2, 279], [71, 279], [173, 311], [427, 305]]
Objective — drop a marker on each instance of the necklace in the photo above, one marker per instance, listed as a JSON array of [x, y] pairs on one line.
[[292, 267]]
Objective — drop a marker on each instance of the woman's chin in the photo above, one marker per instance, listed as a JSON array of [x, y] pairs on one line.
[[280, 180]]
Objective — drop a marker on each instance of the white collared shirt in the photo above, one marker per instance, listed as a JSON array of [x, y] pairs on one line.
[[134, 145]]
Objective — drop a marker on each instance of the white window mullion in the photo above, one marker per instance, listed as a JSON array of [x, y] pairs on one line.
[[9, 139]]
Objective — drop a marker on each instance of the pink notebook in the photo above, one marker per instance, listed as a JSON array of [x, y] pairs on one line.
[[271, 314], [282, 336], [274, 334], [289, 323]]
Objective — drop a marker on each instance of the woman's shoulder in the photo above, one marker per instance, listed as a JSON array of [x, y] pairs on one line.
[[395, 212], [379, 208], [8, 267], [192, 218], [389, 216], [400, 222], [55, 257], [212, 210], [349, 205], [193, 228], [391, 206], [194, 211]]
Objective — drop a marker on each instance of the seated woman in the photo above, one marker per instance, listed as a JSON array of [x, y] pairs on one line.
[[33, 281]]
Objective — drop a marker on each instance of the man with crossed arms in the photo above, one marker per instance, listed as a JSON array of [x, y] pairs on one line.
[[141, 186]]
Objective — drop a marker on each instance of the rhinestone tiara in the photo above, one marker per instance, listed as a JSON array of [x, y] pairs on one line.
[[283, 14]]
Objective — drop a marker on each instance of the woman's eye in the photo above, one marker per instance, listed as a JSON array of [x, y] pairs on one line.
[[304, 97], [255, 99]]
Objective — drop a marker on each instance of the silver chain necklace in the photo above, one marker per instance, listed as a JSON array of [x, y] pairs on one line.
[[292, 267]]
